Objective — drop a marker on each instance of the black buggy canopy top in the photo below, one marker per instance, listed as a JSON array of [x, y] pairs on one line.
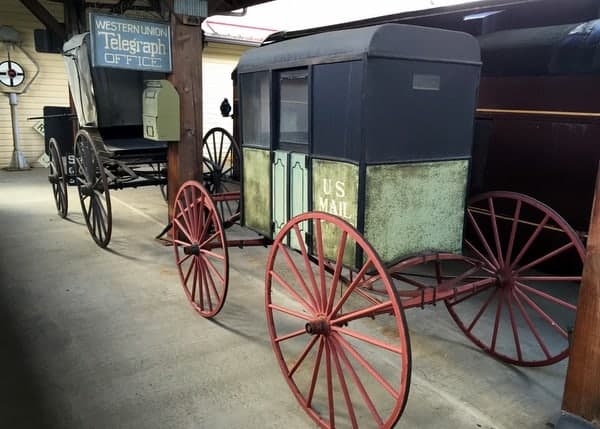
[[387, 41]]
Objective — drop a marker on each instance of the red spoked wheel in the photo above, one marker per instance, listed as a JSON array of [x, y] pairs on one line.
[[535, 261], [345, 370], [200, 249]]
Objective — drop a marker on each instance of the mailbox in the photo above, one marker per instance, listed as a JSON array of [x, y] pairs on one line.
[[160, 111]]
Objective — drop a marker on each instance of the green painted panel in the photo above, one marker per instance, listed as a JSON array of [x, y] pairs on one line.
[[298, 192], [415, 208], [280, 190], [335, 191], [257, 190]]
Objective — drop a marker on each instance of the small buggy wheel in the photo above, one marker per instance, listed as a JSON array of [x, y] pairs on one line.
[[93, 189], [200, 249], [345, 370], [534, 261], [57, 179], [221, 158]]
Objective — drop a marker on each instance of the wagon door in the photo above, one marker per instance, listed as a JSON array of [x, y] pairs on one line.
[[290, 158]]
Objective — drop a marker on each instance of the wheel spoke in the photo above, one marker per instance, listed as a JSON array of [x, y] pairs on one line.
[[329, 377], [185, 258], [182, 229], [191, 213], [213, 254], [321, 259], [515, 329], [497, 320], [307, 263], [359, 277], [482, 238], [532, 238], [359, 385], [542, 314], [194, 264], [513, 232], [304, 353], [209, 240], [494, 222], [372, 371], [479, 254], [313, 304], [92, 215], [342, 380], [315, 373], [292, 292], [206, 287], [366, 339], [182, 243], [532, 328], [546, 257], [206, 224], [550, 278], [187, 276], [289, 312], [224, 157], [214, 269], [337, 272], [546, 296], [182, 213], [293, 335], [482, 310], [211, 281]]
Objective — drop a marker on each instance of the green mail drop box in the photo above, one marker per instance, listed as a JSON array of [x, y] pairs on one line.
[[160, 111]]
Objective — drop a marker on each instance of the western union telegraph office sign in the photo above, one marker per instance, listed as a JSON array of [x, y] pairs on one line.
[[132, 44]]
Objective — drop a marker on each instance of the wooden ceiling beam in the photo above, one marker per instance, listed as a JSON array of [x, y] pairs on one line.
[[45, 17]]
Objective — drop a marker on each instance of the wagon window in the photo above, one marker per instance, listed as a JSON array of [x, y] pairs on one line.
[[256, 112], [293, 113]]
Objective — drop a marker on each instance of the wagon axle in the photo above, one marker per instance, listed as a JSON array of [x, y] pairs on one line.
[[319, 326], [194, 249]]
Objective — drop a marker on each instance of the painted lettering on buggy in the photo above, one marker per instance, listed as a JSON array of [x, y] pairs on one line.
[[333, 199]]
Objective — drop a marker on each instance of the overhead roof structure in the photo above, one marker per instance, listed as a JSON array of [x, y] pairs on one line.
[[75, 8], [476, 17], [215, 7]]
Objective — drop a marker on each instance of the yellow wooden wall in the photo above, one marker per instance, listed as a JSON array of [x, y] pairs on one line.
[[49, 89]]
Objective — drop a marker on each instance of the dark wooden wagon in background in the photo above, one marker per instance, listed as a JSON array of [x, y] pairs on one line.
[[356, 157]]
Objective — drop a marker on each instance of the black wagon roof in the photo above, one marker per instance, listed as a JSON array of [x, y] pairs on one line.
[[387, 40]]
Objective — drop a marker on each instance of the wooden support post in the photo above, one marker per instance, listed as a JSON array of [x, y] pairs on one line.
[[582, 387], [185, 156]]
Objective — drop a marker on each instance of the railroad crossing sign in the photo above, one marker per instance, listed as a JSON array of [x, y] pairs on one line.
[[11, 74]]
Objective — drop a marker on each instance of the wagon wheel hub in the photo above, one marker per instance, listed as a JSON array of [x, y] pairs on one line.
[[194, 249], [87, 190], [318, 326], [505, 278]]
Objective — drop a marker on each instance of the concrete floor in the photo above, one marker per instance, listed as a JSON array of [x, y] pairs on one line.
[[105, 339]]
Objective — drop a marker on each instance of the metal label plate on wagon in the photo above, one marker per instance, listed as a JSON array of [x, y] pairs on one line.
[[131, 44]]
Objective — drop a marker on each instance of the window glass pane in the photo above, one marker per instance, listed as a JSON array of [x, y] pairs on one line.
[[256, 112], [47, 42], [293, 119]]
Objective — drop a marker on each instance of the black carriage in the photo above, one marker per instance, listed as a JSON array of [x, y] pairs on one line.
[[109, 151], [356, 157], [121, 117]]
